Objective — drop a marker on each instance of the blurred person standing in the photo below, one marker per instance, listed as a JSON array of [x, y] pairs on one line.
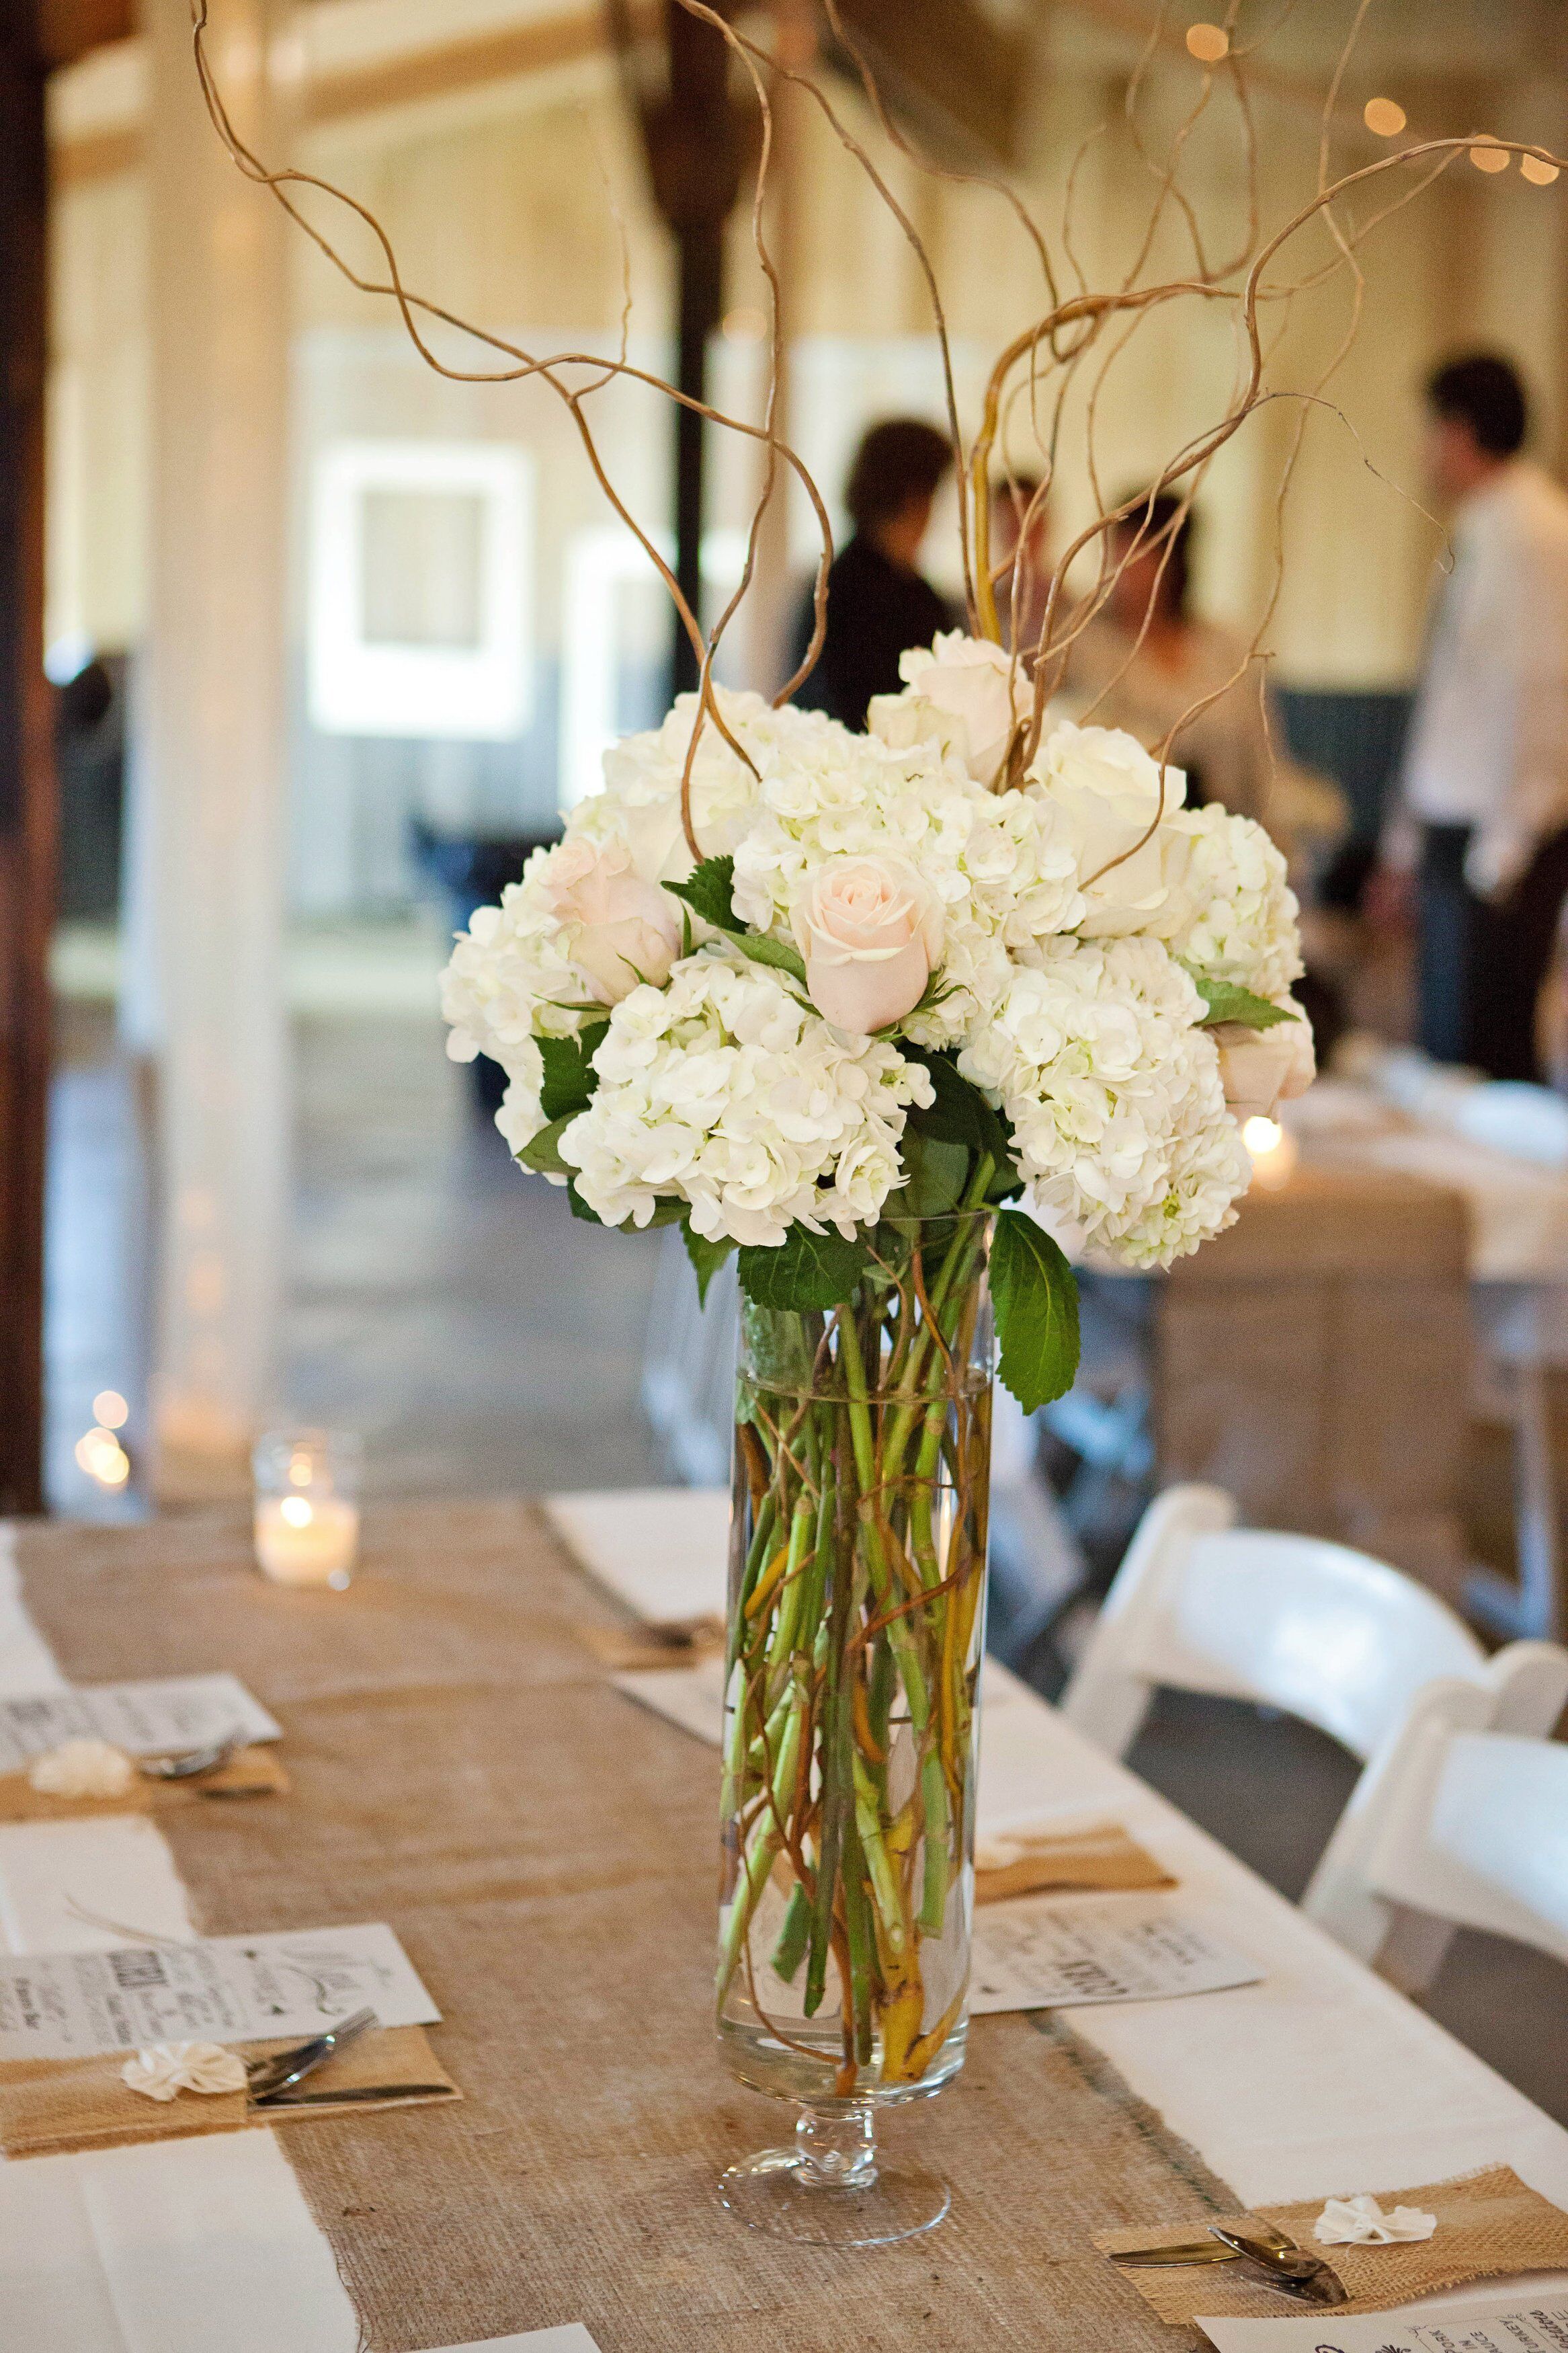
[[1146, 659], [1020, 544], [1480, 836], [878, 603]]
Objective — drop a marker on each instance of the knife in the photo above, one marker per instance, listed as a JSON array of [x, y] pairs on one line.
[[358, 2094], [1199, 2251]]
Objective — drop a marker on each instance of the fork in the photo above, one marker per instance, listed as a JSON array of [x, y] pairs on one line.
[[266, 2078], [189, 1764]]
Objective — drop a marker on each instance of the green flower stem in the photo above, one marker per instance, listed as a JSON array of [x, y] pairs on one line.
[[790, 1950], [936, 1844], [885, 1889], [865, 1472], [760, 1861]]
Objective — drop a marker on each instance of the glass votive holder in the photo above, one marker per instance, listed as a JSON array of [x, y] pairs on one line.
[[307, 1505]]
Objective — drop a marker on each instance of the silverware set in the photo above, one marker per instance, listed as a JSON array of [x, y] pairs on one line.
[[1266, 2256], [268, 2082], [190, 1764]]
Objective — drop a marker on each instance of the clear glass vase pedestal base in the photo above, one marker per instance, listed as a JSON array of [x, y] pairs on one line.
[[831, 2188]]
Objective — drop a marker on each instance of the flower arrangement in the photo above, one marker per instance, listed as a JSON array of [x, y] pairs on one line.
[[832, 1002], [780, 981]]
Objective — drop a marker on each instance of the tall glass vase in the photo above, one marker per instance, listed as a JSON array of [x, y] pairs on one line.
[[856, 1630]]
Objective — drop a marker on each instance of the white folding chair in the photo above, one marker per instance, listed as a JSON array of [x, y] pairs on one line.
[[1462, 1821], [1288, 1621]]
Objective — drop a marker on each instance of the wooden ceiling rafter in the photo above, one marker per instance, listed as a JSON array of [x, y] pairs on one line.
[[67, 30]]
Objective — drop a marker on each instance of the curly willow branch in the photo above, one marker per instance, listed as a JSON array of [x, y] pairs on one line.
[[1056, 345]]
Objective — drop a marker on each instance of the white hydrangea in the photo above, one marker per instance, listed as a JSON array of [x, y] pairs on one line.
[[640, 804], [726, 1091], [1114, 1096], [996, 863], [1208, 1167], [511, 979], [1239, 912]]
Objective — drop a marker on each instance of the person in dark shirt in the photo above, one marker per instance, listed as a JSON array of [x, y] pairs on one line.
[[879, 604]]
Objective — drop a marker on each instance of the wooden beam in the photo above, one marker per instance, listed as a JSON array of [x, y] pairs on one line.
[[68, 30], [952, 73], [27, 762]]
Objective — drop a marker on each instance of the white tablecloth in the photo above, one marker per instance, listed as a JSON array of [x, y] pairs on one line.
[[1320, 2080]]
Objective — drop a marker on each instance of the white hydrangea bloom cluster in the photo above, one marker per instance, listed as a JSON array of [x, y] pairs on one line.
[[915, 886], [1114, 1096], [512, 977], [999, 866], [1239, 912], [725, 1090]]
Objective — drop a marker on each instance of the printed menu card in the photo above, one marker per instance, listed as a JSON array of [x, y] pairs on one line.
[[218, 1989]]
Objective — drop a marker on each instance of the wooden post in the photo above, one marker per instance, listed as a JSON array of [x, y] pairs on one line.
[[27, 764]]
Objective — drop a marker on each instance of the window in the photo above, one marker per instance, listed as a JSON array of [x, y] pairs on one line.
[[419, 615]]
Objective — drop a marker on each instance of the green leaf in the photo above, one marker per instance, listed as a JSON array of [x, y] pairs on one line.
[[569, 1078], [706, 1257], [710, 891], [707, 891], [1226, 1001], [542, 1152], [961, 1113], [807, 1270], [773, 952], [579, 1207], [937, 1173], [1036, 1295]]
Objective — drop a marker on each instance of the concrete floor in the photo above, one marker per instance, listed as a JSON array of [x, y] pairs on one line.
[[483, 1340]]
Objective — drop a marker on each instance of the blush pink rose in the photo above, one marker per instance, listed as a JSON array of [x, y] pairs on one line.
[[620, 929], [871, 932], [1263, 1068]]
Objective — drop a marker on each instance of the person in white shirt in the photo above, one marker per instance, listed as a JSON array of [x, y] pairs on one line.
[[1482, 824]]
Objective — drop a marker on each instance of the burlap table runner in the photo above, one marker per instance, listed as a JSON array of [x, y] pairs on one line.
[[546, 1850]]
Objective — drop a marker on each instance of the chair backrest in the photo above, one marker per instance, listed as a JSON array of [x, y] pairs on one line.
[[1461, 1820], [1288, 1621]]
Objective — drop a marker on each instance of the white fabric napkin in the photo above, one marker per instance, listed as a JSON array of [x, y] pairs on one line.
[[170, 2068], [82, 1768], [1362, 2223], [664, 1551]]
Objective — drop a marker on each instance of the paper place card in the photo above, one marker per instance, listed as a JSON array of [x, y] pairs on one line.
[[692, 1697], [218, 1989], [574, 2340], [1046, 1953], [144, 1719], [1498, 2324]]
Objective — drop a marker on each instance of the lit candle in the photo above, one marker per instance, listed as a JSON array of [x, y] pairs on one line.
[[1273, 1150], [307, 1508], [301, 1541]]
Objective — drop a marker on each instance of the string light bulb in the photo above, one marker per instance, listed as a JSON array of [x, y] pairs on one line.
[[1384, 117], [1538, 171], [110, 1409], [1209, 43], [103, 1458], [1489, 155]]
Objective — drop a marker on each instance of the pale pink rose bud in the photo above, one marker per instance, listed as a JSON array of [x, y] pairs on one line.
[[1261, 1069], [870, 929], [621, 930]]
